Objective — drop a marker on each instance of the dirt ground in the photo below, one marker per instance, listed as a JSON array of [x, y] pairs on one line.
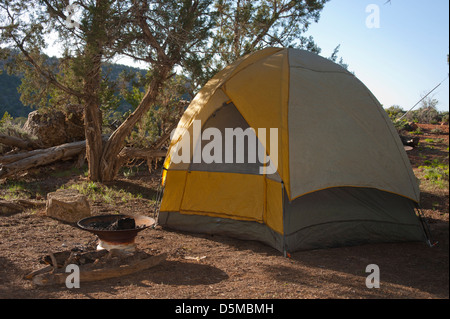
[[231, 268]]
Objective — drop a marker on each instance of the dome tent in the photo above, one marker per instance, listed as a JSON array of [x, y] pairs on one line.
[[337, 175]]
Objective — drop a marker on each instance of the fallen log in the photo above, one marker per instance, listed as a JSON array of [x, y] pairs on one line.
[[14, 163], [42, 157], [18, 142], [19, 156], [131, 152], [9, 207], [9, 158]]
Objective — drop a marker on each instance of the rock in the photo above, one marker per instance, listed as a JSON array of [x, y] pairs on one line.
[[56, 127], [74, 123], [67, 205]]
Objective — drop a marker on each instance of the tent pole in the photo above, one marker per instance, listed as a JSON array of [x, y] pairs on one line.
[[284, 220], [422, 99]]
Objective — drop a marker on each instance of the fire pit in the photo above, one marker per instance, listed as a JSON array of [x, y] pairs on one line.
[[116, 231]]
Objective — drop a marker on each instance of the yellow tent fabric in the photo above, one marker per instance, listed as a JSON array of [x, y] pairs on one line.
[[332, 113], [332, 135], [247, 90]]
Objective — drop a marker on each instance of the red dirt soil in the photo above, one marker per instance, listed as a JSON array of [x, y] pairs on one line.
[[231, 268]]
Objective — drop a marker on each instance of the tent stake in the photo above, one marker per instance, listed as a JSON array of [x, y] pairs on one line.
[[426, 228]]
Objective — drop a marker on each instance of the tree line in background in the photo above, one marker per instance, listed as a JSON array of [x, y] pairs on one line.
[[19, 105], [183, 43], [427, 113]]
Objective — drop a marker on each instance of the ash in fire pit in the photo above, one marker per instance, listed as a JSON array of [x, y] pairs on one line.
[[120, 224]]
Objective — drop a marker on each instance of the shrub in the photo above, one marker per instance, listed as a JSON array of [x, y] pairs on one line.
[[394, 112], [445, 117], [436, 131], [418, 131]]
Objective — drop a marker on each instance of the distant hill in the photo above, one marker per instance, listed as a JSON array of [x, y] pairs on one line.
[[10, 97]]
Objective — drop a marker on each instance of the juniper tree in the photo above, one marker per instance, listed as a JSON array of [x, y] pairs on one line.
[[158, 32], [198, 36], [27, 26]]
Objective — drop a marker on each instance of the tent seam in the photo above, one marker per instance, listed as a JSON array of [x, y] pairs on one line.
[[354, 186], [352, 221], [319, 71]]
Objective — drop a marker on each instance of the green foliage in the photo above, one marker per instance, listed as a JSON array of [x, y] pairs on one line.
[[437, 173], [245, 26], [427, 114], [200, 36], [334, 58], [165, 112], [13, 189], [13, 127], [436, 131], [5, 119], [20, 94], [402, 125], [395, 112], [418, 131]]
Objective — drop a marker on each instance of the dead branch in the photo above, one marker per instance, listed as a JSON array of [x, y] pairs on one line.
[[18, 142], [14, 163], [8, 207], [43, 157], [160, 142], [133, 153], [19, 156]]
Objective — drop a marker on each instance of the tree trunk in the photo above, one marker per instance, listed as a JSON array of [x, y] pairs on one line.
[[110, 163], [92, 114], [93, 132]]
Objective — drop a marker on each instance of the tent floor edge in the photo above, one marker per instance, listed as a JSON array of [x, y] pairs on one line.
[[238, 229]]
